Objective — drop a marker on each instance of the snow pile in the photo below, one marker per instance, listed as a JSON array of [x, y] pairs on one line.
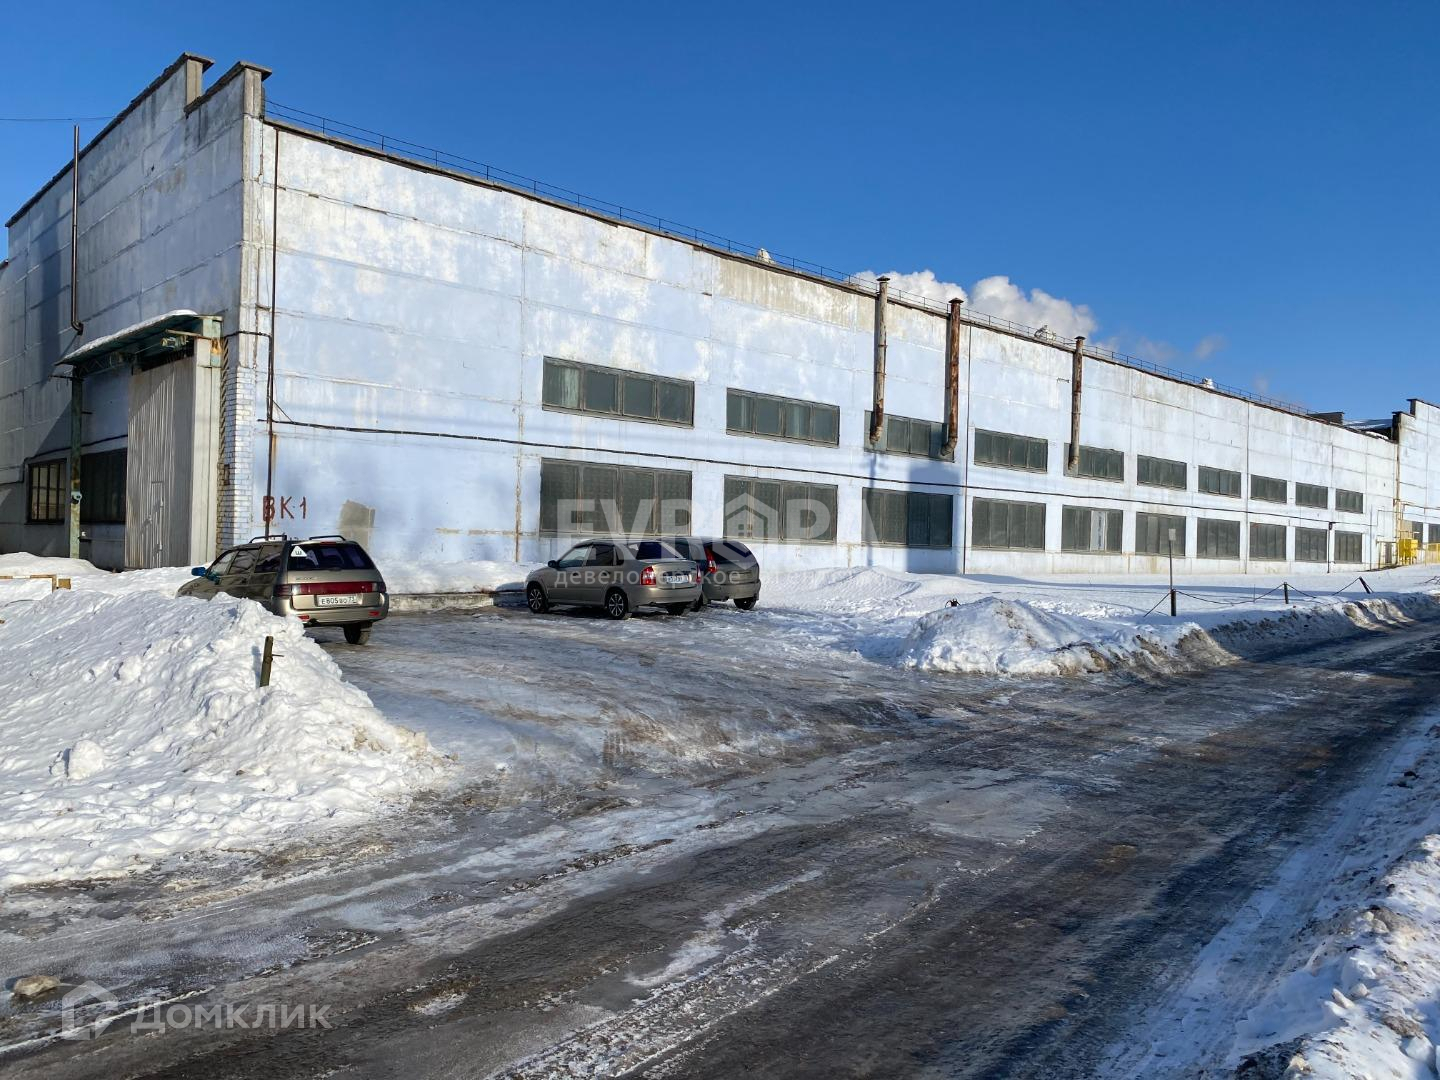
[[1012, 637], [133, 728], [25, 570], [1362, 1002], [453, 577]]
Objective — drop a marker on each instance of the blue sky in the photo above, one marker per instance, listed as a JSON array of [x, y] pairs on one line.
[[1242, 191]]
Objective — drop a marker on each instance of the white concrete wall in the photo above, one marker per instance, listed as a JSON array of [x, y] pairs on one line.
[[160, 229], [423, 305], [1418, 497]]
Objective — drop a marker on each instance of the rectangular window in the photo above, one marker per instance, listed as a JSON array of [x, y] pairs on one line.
[[1415, 530], [583, 499], [1085, 529], [603, 391], [1152, 534], [916, 519], [1009, 526], [1434, 535], [1219, 482], [1161, 472], [1217, 539], [102, 488], [1349, 547], [1011, 451], [1269, 489], [1312, 495], [1267, 542], [1349, 502], [906, 435], [1097, 463], [781, 418], [1311, 545], [787, 510], [48, 494]]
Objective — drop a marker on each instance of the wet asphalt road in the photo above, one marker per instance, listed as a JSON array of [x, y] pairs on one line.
[[935, 877]]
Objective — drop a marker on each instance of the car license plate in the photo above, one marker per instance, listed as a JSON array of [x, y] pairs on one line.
[[677, 579], [337, 601]]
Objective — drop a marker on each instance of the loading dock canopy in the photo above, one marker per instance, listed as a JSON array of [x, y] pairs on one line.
[[149, 342]]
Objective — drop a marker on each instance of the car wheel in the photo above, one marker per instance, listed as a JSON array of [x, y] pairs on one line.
[[357, 633], [745, 603], [536, 600], [617, 604], [677, 609]]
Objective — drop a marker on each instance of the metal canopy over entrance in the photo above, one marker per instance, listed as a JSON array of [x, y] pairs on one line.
[[149, 342]]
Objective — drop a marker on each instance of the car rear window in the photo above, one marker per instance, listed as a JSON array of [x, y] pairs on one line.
[[329, 556], [732, 553], [653, 549], [690, 549]]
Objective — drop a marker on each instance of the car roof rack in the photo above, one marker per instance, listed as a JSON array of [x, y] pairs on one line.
[[330, 536], [268, 536]]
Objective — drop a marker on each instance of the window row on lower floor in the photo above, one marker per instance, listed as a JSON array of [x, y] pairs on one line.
[[1000, 524], [592, 499]]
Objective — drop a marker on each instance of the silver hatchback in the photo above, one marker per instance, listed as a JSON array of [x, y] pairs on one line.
[[617, 576]]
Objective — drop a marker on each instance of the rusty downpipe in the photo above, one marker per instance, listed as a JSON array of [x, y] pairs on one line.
[[1077, 372], [952, 378], [877, 409], [75, 323]]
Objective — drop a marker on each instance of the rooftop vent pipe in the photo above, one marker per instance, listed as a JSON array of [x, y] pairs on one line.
[[877, 410], [952, 378]]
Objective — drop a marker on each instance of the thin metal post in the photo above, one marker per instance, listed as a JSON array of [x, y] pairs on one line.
[[1170, 545], [1366, 585], [1286, 587], [266, 659], [77, 418]]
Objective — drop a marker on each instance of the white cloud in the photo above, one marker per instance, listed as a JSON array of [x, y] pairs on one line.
[[1001, 297], [1209, 345], [1157, 352]]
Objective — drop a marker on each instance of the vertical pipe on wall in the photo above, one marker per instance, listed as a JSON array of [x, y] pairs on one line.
[[877, 409], [952, 378], [268, 507], [77, 416], [75, 323], [1077, 371]]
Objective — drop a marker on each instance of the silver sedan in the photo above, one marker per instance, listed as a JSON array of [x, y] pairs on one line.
[[617, 576]]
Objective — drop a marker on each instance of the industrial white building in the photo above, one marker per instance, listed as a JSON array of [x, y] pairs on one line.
[[271, 327]]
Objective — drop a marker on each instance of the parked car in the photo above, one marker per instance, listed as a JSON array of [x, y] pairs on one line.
[[728, 569], [322, 581], [616, 575]]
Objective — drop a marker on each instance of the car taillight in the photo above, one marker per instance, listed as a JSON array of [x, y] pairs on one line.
[[324, 588], [284, 590], [647, 576], [710, 564]]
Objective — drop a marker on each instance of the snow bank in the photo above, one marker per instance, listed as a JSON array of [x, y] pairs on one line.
[[1361, 1001], [1012, 637], [133, 728]]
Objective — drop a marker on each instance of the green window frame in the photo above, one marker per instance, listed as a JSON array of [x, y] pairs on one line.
[[786, 511], [1312, 545], [1217, 538], [1213, 481], [612, 500], [912, 519], [1088, 529], [617, 393], [1006, 525], [1005, 451], [907, 435], [1349, 502], [1267, 542], [1269, 489], [1161, 472], [1152, 533], [1097, 463], [770, 417], [1349, 547]]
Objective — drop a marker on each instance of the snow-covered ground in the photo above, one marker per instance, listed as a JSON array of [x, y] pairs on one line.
[[133, 727]]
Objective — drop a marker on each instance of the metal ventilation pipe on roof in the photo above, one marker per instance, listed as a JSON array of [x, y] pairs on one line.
[[877, 409], [952, 378], [75, 323], [1077, 371]]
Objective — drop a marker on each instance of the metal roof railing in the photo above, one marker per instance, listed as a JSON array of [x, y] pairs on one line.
[[443, 159]]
